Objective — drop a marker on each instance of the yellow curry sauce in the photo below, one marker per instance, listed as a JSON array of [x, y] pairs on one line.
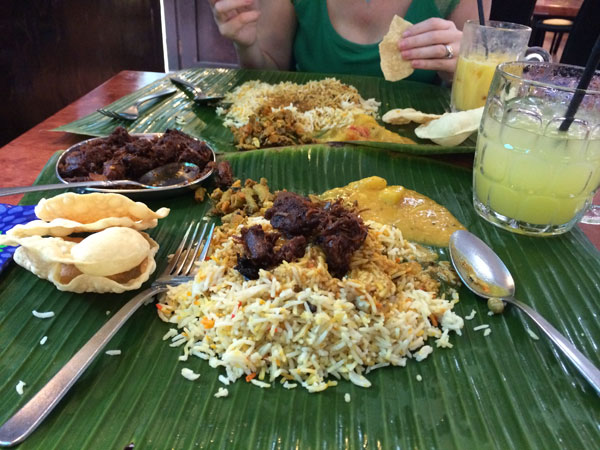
[[363, 128], [418, 217]]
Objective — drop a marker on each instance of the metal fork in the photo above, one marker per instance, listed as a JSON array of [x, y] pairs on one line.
[[133, 112], [179, 270], [199, 95]]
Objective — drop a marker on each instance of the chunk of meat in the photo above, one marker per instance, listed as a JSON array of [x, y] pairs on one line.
[[122, 156], [260, 251], [223, 174], [294, 215]]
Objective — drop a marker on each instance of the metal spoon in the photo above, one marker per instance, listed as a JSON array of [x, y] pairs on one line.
[[485, 274], [169, 175]]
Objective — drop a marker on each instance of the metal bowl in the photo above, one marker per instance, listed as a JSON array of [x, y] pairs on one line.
[[138, 193]]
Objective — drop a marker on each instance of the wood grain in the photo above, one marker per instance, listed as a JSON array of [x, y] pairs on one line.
[[563, 8]]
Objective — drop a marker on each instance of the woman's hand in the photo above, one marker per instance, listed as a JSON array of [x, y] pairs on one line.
[[237, 20], [432, 45]]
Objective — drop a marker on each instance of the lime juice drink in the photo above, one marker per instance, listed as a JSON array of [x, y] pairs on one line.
[[533, 176]]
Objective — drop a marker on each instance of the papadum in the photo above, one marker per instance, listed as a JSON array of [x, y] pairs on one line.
[[402, 116], [452, 128], [112, 255], [70, 213], [393, 65], [57, 261]]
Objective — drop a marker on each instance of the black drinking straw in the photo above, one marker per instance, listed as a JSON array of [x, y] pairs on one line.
[[588, 74], [482, 23], [480, 11]]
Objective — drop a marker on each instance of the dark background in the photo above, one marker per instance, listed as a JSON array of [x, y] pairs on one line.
[[54, 51]]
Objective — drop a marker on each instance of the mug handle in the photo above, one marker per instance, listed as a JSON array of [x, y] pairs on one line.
[[592, 215], [537, 54]]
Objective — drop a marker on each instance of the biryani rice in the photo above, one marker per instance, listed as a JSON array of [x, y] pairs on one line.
[[298, 324], [316, 105]]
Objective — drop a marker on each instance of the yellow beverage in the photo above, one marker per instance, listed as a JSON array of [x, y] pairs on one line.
[[472, 80], [542, 182]]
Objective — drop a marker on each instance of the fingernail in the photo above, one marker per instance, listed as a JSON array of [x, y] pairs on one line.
[[405, 55], [406, 34]]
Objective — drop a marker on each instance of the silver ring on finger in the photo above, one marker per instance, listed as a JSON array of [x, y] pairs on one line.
[[449, 51]]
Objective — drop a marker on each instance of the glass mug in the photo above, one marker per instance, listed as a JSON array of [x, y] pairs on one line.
[[482, 48], [528, 175]]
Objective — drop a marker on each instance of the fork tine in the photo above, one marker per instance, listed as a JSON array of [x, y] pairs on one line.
[[177, 254], [186, 252], [108, 113], [207, 243], [191, 260]]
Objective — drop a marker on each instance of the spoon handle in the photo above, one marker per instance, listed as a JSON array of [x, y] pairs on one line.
[[583, 364], [50, 187]]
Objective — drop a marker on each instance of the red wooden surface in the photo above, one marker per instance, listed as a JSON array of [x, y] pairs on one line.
[[564, 8], [22, 159]]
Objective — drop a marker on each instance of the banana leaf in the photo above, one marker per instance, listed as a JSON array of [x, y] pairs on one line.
[[180, 112], [503, 391]]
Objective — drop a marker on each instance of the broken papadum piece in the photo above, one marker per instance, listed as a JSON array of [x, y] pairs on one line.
[[393, 65], [113, 260], [452, 128], [402, 116]]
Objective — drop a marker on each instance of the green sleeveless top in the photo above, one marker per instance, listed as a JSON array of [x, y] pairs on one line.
[[319, 48]]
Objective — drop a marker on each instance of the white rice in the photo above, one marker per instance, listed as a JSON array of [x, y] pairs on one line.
[[43, 340], [43, 315], [487, 332], [222, 392], [189, 374], [169, 334], [347, 398], [419, 377], [480, 327], [113, 352], [299, 324], [19, 387], [471, 315]]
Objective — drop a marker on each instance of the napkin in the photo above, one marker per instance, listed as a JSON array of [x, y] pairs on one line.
[[10, 216]]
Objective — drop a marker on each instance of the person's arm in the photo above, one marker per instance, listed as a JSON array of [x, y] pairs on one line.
[[426, 44], [261, 30]]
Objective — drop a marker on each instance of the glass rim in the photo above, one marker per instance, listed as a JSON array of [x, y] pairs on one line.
[[498, 24], [500, 69]]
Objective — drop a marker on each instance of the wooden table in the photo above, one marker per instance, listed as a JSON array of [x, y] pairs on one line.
[[22, 159], [562, 8]]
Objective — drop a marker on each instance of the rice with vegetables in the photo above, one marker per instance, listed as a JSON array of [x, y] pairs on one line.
[[298, 325], [316, 105]]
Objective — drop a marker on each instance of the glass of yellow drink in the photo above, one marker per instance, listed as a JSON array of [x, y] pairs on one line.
[[530, 176], [482, 48]]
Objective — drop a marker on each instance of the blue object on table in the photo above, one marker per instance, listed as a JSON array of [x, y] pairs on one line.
[[10, 216]]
